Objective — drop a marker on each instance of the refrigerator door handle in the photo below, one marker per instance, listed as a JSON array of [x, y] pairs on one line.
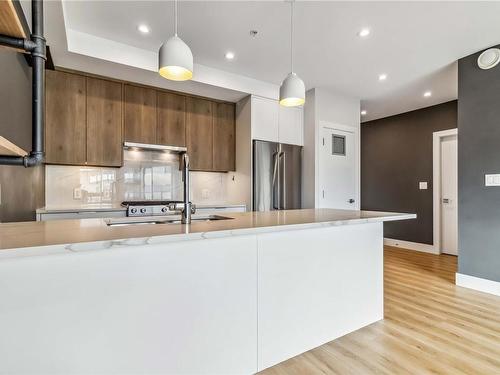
[[275, 192], [283, 181]]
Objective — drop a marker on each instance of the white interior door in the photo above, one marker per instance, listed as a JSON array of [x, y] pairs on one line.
[[449, 194], [338, 169]]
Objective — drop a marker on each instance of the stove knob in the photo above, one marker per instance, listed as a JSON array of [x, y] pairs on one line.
[[164, 209], [143, 210], [133, 210]]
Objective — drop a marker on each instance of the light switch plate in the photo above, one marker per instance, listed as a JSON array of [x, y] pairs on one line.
[[492, 180], [422, 185]]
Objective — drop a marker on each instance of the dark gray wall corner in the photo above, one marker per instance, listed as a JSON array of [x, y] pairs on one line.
[[396, 154], [21, 188], [478, 154]]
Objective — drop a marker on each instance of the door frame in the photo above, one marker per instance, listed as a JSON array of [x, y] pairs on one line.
[[357, 155], [436, 178]]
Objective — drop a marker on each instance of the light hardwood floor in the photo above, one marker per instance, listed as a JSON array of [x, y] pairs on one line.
[[431, 326]]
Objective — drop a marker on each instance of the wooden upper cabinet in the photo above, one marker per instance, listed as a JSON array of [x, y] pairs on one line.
[[199, 133], [65, 122], [104, 123], [139, 114], [171, 128], [224, 138]]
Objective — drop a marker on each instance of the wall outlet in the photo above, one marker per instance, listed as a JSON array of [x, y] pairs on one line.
[[422, 185], [492, 180], [77, 193], [205, 194]]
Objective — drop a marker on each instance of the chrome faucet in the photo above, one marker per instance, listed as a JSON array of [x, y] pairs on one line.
[[186, 208]]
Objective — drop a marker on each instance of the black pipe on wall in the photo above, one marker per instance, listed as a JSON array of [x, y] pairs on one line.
[[37, 48]]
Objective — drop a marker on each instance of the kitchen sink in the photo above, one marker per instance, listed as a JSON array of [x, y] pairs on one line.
[[174, 219]]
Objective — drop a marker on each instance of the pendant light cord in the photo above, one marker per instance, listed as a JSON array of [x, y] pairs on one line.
[[175, 12], [291, 35]]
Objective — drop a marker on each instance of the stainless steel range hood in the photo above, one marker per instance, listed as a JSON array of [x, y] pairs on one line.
[[151, 147]]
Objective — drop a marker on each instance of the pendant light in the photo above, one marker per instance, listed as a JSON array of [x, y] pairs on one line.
[[175, 59], [292, 89]]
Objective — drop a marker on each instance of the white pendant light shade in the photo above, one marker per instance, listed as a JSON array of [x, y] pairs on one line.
[[292, 91], [175, 60]]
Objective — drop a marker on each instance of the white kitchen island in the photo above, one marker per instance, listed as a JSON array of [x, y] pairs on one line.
[[228, 297]]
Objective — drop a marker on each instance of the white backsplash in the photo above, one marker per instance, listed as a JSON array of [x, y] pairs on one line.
[[144, 175]]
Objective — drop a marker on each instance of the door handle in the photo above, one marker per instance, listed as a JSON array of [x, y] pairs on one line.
[[275, 191], [446, 200], [283, 181], [351, 200]]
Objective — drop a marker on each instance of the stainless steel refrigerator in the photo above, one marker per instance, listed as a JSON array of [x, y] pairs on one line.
[[277, 174]]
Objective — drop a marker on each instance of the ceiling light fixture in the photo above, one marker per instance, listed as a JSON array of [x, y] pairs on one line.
[[363, 33], [143, 29], [292, 89], [363, 113], [427, 94], [229, 55], [175, 59], [382, 77], [489, 58]]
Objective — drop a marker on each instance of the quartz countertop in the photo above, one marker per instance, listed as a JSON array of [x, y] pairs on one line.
[[73, 235]]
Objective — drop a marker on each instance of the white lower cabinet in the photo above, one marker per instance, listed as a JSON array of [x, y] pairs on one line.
[[187, 307]]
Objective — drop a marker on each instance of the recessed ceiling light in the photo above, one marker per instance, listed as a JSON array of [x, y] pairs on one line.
[[229, 55], [363, 113], [364, 32], [143, 29], [427, 94], [382, 77]]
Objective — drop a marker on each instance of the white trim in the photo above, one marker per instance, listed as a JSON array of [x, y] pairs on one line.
[[436, 185], [477, 283], [357, 141], [423, 247]]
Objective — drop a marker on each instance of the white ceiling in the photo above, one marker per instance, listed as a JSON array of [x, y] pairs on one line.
[[415, 43]]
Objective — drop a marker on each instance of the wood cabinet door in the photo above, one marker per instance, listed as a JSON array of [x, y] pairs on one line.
[[199, 133], [139, 120], [224, 149], [104, 123], [65, 122], [171, 129]]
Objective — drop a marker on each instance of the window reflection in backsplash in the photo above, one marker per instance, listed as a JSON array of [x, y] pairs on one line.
[[145, 175]]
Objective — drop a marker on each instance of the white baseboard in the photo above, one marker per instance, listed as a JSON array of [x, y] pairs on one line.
[[476, 283], [410, 245]]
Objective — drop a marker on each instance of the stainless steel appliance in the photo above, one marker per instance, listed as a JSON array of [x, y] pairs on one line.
[[277, 174], [184, 208]]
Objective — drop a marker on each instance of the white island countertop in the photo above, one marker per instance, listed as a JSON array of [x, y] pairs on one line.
[[75, 235]]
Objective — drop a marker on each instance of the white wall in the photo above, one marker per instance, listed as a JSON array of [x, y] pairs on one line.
[[322, 105]]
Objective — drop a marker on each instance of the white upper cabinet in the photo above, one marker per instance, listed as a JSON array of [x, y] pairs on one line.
[[274, 123], [291, 125], [265, 117]]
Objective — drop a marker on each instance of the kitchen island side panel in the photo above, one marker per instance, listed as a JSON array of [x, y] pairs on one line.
[[315, 286]]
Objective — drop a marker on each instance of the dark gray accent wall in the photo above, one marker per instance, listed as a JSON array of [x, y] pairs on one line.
[[478, 154], [396, 154], [21, 189]]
